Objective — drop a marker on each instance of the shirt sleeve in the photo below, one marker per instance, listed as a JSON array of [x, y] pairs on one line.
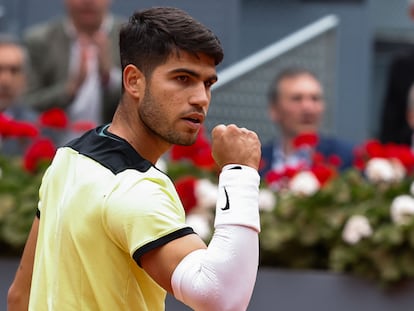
[[145, 212]]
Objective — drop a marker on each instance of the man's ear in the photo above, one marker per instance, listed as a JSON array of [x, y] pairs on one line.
[[134, 81]]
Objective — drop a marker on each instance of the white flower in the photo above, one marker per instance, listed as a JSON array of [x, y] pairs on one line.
[[200, 225], [206, 193], [304, 183], [399, 169], [267, 200], [383, 170], [402, 209], [356, 228]]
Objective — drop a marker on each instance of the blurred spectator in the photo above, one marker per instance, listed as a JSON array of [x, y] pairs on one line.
[[13, 72], [75, 63], [296, 107], [393, 124], [410, 114]]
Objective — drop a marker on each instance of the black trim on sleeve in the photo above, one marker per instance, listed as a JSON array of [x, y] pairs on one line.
[[160, 242]]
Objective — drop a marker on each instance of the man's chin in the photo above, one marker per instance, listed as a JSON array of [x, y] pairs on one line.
[[186, 141]]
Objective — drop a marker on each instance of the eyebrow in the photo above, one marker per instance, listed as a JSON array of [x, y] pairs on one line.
[[193, 73]]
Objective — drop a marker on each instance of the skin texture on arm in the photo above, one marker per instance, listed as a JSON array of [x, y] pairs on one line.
[[19, 291], [161, 262]]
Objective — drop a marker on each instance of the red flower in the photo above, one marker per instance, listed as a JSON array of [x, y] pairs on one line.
[[4, 125], [318, 157], [13, 128], [41, 150], [55, 118], [279, 179], [306, 140], [359, 163], [290, 171], [272, 177], [24, 129], [374, 149], [334, 160], [402, 153], [323, 173], [186, 191], [198, 153]]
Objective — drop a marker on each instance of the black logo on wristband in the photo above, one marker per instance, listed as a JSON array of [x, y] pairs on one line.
[[227, 206]]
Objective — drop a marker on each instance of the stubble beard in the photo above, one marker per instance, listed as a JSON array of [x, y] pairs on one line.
[[153, 118]]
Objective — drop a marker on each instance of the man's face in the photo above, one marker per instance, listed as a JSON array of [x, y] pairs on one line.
[[299, 107], [87, 15], [177, 98], [12, 76]]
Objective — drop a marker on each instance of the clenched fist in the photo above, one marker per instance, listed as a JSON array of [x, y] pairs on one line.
[[234, 145]]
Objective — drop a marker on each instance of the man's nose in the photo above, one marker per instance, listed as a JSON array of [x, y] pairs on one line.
[[201, 95], [309, 104]]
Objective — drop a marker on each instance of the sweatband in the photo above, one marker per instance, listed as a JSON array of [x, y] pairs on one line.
[[238, 197]]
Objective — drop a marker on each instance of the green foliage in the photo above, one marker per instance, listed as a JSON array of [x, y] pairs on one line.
[[306, 232], [18, 203], [298, 233]]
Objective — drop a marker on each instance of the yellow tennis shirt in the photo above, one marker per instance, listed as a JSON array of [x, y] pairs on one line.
[[102, 206]]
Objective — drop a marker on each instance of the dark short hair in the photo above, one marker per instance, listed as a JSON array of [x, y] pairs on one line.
[[286, 73], [151, 35]]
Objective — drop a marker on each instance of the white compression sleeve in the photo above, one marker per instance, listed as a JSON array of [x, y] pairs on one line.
[[222, 277]]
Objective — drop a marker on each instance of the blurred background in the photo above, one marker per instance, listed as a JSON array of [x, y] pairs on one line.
[[351, 54], [349, 44]]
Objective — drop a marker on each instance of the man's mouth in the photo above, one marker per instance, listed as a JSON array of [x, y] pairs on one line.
[[196, 118]]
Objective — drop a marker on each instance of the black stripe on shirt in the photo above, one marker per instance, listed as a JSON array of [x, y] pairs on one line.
[[111, 151], [160, 242]]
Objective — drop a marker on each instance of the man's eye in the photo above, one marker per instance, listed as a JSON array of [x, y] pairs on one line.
[[209, 83], [182, 78]]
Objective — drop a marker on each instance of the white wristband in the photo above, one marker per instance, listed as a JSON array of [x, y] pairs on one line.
[[238, 196]]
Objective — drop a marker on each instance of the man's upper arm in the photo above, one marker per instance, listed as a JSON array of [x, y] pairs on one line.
[[161, 262]]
